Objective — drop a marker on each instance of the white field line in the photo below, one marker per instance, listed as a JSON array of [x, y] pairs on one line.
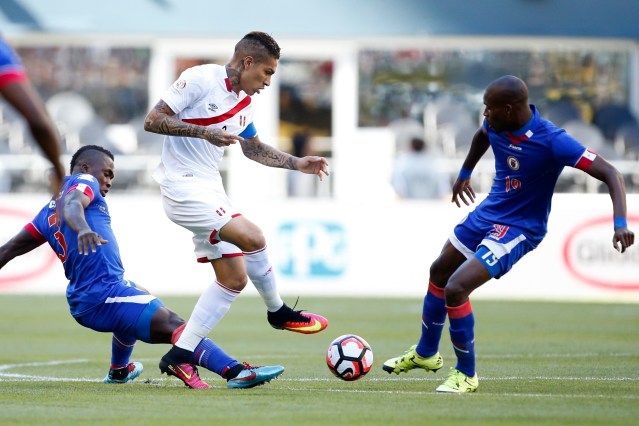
[[15, 377]]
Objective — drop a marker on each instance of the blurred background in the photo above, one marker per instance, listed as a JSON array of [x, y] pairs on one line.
[[364, 71], [358, 82]]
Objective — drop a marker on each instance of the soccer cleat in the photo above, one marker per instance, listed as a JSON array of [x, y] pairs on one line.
[[411, 360], [297, 321], [134, 369], [254, 376], [458, 382], [173, 364]]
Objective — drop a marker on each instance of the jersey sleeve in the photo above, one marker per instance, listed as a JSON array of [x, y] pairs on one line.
[[85, 183], [185, 91], [11, 69], [40, 224], [568, 151]]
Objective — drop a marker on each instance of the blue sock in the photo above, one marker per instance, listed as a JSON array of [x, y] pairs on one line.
[[210, 356], [433, 319], [121, 350], [462, 335]]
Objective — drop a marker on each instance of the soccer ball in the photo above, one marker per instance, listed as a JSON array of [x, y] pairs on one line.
[[349, 357]]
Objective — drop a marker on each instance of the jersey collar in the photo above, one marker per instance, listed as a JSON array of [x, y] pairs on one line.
[[525, 132]]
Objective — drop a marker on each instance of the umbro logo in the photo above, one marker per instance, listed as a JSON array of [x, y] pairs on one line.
[[212, 107]]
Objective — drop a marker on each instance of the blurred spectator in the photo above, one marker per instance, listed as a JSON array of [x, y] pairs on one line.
[[405, 128], [299, 184], [416, 174]]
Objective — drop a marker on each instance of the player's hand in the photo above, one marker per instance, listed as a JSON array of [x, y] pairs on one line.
[[313, 165], [89, 240], [623, 239], [221, 138], [463, 189]]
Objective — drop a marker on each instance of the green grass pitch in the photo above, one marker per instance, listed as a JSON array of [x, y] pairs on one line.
[[538, 364]]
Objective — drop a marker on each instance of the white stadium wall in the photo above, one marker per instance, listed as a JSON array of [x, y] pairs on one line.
[[360, 248]]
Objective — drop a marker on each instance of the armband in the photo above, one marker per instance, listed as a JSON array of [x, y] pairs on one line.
[[620, 222], [464, 173]]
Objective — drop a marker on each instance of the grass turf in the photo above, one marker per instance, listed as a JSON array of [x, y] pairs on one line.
[[538, 364]]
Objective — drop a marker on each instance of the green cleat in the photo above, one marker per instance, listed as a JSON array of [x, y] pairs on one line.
[[458, 382], [411, 360]]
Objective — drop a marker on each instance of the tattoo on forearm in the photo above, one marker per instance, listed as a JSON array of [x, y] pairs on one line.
[[267, 155]]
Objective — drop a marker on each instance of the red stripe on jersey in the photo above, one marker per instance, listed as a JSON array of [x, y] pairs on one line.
[[517, 139], [220, 118], [460, 311], [84, 188], [35, 233], [586, 160], [228, 84], [12, 76]]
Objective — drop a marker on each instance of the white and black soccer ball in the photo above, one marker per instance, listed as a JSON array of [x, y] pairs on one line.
[[349, 357]]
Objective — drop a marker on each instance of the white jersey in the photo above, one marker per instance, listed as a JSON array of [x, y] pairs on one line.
[[202, 95]]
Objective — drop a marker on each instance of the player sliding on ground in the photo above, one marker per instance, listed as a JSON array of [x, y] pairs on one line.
[[77, 226], [530, 153]]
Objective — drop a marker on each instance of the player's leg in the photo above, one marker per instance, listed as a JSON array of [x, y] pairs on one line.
[[425, 354], [500, 249], [166, 327], [465, 280], [121, 370], [249, 238]]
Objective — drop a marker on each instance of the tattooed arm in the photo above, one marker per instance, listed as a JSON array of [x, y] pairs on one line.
[[161, 119], [267, 155]]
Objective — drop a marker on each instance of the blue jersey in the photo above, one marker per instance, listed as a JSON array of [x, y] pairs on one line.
[[91, 276], [528, 163]]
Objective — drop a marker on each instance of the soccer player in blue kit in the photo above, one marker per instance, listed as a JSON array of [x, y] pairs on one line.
[[77, 226], [530, 153]]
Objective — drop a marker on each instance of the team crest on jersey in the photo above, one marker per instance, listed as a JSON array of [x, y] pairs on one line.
[[180, 84], [212, 107], [513, 162]]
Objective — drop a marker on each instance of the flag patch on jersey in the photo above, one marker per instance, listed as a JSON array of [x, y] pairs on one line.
[[586, 160]]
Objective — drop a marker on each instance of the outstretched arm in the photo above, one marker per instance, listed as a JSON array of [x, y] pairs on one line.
[[608, 174], [161, 119], [73, 213], [21, 244], [269, 156], [462, 187], [24, 98]]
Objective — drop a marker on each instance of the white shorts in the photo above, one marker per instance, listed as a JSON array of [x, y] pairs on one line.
[[203, 208]]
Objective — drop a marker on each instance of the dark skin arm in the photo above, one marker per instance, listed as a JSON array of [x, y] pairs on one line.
[[602, 170], [73, 213], [462, 187], [24, 98], [20, 244]]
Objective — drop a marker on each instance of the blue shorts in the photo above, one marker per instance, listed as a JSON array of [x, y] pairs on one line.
[[497, 246], [127, 312]]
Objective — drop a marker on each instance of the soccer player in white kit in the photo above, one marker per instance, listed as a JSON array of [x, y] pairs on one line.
[[207, 109]]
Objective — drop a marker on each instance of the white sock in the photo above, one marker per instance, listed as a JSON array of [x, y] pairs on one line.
[[261, 274], [211, 307]]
